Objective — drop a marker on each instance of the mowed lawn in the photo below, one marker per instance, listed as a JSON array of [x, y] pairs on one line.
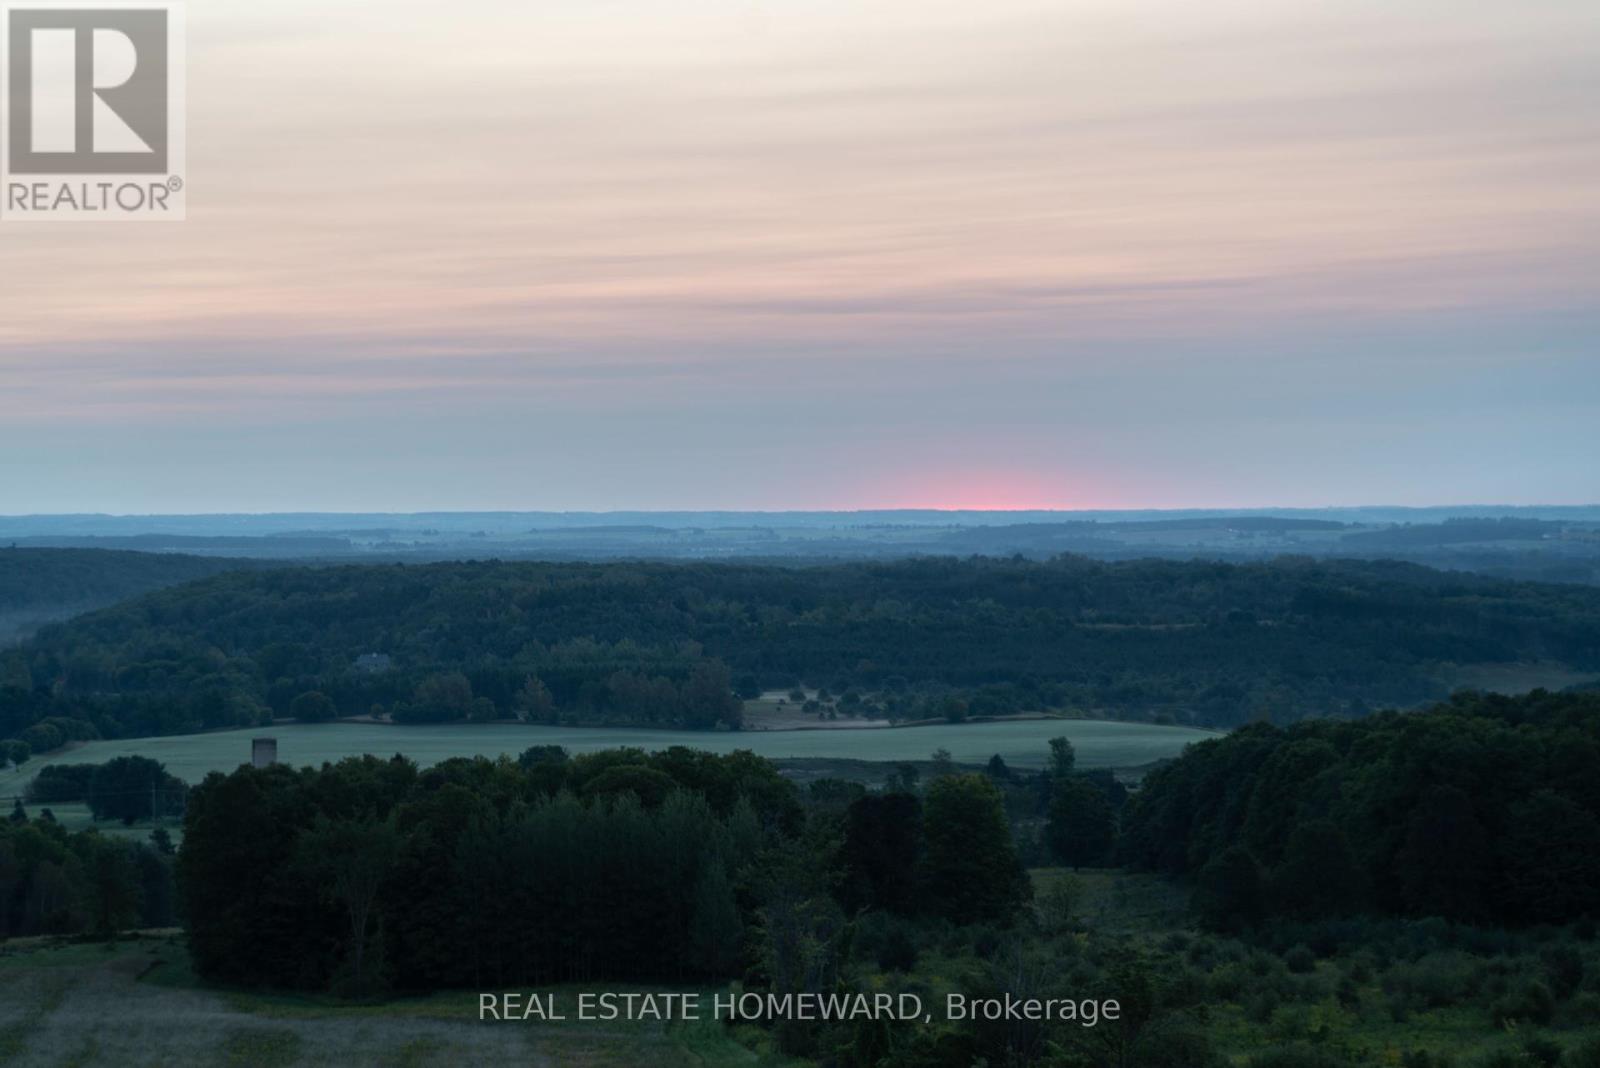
[[1022, 743]]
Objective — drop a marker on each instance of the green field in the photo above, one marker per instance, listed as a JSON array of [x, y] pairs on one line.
[[1023, 743], [74, 816], [137, 1003]]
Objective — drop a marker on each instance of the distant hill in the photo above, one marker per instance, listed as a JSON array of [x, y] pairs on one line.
[[295, 546], [661, 644], [1536, 544], [1558, 544], [1454, 532], [41, 585]]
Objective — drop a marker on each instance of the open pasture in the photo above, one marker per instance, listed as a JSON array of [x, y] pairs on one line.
[[136, 1003], [1022, 743]]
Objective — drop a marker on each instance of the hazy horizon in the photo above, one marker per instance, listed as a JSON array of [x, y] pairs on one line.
[[1217, 509], [1378, 513]]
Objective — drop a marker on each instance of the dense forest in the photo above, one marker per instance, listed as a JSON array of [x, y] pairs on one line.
[[612, 864], [39, 585], [1485, 808], [669, 644], [55, 881]]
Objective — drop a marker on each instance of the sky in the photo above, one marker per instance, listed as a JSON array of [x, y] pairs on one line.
[[632, 254]]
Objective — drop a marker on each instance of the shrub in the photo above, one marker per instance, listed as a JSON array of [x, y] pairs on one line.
[[1296, 1056], [1563, 968], [1542, 1051], [1300, 960], [985, 940], [1421, 1058], [1529, 1002], [1435, 981], [1503, 1058], [1583, 1055], [1582, 1010], [1204, 953], [1058, 906], [1361, 967], [1175, 1042], [1261, 1006], [1261, 964], [897, 952]]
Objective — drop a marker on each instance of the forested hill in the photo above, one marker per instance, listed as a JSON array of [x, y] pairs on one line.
[[663, 643], [1481, 809], [38, 585]]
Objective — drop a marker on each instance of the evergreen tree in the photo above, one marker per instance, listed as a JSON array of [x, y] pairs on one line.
[[714, 928]]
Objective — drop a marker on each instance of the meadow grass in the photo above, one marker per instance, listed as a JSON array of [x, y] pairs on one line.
[[1021, 743], [136, 1002], [75, 816], [1148, 909]]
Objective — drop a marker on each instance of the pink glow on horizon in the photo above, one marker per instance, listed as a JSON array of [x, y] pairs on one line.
[[988, 489]]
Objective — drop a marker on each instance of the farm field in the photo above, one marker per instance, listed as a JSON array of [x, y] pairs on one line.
[[1022, 743]]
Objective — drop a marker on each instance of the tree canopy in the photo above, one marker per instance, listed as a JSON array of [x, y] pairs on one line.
[[661, 644], [1481, 809]]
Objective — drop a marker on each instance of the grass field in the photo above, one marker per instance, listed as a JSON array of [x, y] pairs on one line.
[[1022, 743], [136, 1003], [74, 816]]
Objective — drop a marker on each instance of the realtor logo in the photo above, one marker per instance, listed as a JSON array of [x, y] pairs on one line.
[[93, 111]]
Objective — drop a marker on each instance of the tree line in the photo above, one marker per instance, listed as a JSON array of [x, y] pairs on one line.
[[126, 788], [57, 882], [673, 866], [1484, 809], [372, 873], [669, 644]]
